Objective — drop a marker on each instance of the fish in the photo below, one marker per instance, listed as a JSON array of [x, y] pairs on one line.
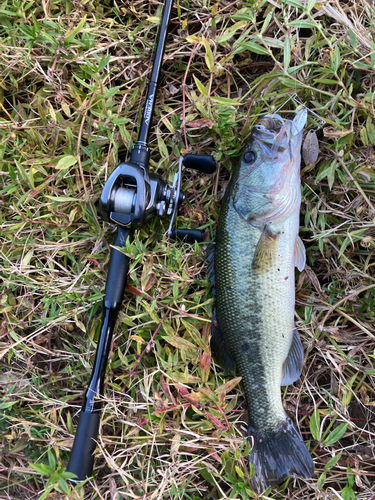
[[251, 265]]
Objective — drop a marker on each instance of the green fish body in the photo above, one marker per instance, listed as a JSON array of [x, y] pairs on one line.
[[252, 264]]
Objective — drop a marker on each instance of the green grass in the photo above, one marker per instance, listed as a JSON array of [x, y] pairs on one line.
[[72, 82]]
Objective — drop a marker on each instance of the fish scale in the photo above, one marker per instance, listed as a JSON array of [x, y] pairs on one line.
[[255, 253]]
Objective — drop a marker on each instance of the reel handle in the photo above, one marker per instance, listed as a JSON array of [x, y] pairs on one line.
[[202, 163]]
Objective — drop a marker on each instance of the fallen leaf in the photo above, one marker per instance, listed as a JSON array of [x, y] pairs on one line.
[[335, 132], [200, 123]]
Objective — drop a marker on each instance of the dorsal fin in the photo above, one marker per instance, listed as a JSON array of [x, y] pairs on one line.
[[219, 347], [210, 259]]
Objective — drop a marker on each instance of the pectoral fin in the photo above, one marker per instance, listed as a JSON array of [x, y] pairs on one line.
[[266, 250], [292, 366], [299, 255]]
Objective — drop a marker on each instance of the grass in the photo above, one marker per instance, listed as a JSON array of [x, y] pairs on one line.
[[73, 78]]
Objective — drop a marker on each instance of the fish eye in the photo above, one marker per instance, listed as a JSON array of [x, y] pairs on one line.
[[250, 156]]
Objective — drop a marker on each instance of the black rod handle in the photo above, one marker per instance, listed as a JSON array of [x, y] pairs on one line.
[[118, 268], [82, 459]]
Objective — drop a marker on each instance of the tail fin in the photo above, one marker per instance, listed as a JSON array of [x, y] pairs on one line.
[[278, 454]]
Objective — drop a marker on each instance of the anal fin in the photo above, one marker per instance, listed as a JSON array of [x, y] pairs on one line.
[[293, 363], [219, 347]]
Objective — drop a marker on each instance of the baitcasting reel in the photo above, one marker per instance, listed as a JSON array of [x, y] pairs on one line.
[[131, 195]]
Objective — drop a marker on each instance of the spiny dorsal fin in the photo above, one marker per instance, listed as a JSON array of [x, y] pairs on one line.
[[266, 250], [293, 363]]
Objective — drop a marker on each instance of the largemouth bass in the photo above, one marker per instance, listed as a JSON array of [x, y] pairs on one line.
[[251, 266]]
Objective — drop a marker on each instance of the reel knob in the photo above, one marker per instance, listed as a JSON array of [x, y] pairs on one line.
[[203, 163], [187, 235]]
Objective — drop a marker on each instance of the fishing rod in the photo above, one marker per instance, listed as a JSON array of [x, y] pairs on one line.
[[131, 196]]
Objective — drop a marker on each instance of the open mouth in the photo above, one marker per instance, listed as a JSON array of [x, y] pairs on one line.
[[269, 127], [272, 122], [269, 133]]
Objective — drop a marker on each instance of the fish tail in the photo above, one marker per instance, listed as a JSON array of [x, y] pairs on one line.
[[277, 454]]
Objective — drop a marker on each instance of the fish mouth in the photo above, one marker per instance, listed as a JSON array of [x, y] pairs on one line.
[[270, 133], [271, 122]]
